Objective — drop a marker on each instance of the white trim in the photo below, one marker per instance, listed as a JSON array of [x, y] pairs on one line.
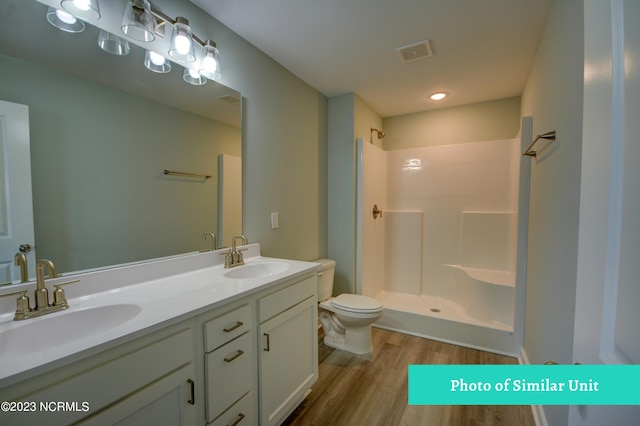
[[616, 180], [537, 410]]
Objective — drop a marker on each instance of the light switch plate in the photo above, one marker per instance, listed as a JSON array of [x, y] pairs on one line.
[[275, 220]]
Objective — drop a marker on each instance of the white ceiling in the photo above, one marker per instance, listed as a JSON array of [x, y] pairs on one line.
[[484, 48]]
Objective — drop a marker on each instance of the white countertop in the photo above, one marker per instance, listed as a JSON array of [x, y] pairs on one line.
[[163, 301]]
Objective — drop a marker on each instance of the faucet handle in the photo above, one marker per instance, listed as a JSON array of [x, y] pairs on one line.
[[22, 304], [59, 298], [228, 258], [241, 256]]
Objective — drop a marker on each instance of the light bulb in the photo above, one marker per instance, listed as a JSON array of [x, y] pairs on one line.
[[65, 17], [156, 59], [82, 9], [438, 96], [194, 74], [82, 4], [182, 44], [210, 64]]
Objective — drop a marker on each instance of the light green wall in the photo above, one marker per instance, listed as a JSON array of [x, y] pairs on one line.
[[349, 118], [484, 121], [284, 145], [553, 97], [342, 191], [97, 158], [365, 118]]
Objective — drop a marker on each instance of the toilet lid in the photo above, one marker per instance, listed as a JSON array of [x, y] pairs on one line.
[[356, 303]]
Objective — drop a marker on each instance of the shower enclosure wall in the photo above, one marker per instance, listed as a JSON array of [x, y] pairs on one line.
[[442, 255]]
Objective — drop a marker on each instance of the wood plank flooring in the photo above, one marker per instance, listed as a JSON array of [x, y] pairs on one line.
[[355, 391]]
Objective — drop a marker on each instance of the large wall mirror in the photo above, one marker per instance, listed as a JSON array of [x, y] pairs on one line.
[[103, 129]]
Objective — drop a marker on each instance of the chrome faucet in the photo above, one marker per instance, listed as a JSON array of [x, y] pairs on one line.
[[42, 306], [234, 256], [21, 261]]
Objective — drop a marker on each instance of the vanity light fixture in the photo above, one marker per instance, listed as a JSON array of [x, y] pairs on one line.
[[138, 23], [156, 62], [141, 22], [64, 21], [83, 9], [182, 41], [192, 76], [210, 64], [438, 96]]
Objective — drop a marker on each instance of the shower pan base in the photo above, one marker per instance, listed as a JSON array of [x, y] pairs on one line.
[[443, 320]]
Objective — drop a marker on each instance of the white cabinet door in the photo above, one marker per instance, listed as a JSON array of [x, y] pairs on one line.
[[170, 401], [288, 360]]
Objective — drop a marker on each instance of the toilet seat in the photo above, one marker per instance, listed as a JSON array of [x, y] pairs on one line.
[[356, 303]]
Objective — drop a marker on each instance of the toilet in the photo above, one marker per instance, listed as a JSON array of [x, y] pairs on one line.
[[346, 319]]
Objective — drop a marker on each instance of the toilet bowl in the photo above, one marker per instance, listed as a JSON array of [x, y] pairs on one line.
[[346, 319]]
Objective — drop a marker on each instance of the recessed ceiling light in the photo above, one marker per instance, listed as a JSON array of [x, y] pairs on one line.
[[438, 96]]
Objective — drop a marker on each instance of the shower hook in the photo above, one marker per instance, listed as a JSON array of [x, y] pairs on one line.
[[376, 211]]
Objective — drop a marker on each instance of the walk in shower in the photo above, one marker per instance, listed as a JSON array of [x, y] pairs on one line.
[[438, 240]]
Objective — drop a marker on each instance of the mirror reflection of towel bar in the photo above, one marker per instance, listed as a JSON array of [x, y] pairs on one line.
[[550, 136], [174, 173]]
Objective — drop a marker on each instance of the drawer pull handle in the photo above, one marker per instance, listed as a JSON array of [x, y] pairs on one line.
[[268, 343], [192, 390], [230, 329], [230, 359], [237, 420]]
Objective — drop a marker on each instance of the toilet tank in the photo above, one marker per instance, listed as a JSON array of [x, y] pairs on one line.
[[325, 278]]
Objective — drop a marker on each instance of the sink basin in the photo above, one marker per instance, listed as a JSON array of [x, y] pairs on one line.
[[57, 329], [258, 270]]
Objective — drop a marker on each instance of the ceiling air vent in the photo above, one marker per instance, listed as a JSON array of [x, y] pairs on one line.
[[416, 51]]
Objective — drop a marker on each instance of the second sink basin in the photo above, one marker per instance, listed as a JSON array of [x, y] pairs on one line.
[[258, 269], [51, 330]]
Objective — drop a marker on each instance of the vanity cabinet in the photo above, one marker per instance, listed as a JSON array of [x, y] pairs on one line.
[[249, 361], [148, 381], [288, 359]]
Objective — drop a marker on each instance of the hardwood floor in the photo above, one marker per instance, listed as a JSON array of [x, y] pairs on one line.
[[355, 391]]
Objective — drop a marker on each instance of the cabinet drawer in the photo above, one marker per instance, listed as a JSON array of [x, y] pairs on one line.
[[271, 305], [228, 372], [240, 414], [226, 327]]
